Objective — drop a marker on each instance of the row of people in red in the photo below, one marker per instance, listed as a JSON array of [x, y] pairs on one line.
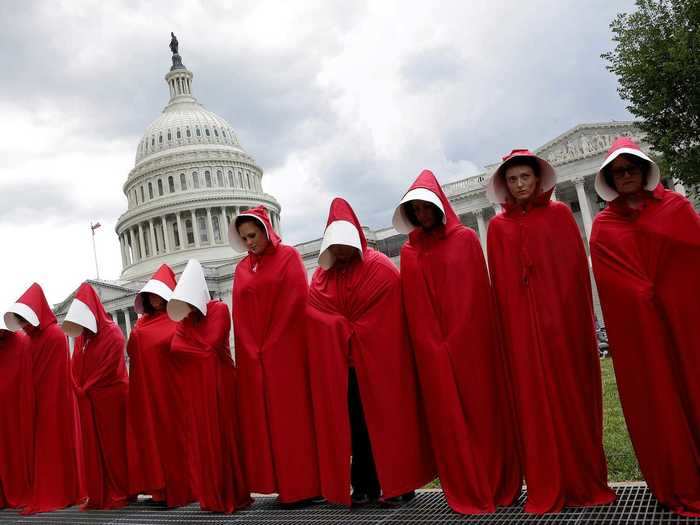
[[370, 382]]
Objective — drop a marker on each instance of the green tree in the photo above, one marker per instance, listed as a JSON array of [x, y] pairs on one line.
[[657, 63]]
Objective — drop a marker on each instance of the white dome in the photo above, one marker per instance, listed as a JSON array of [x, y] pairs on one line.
[[185, 124]]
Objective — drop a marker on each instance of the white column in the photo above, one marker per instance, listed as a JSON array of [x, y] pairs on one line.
[[121, 248], [141, 243], [482, 227], [210, 226], [195, 229], [584, 205], [152, 235], [224, 224], [166, 240], [180, 232], [127, 322]]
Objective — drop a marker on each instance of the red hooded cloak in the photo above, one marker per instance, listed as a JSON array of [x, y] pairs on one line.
[[102, 386], [56, 471], [157, 465], [274, 401], [204, 377], [647, 267], [540, 276], [355, 316], [16, 421], [449, 306]]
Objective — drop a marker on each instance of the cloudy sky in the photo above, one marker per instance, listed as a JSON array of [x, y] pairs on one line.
[[332, 98]]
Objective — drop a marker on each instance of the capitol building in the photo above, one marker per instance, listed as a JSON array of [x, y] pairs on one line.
[[192, 177]]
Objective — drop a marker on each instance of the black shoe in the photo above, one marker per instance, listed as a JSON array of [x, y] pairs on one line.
[[408, 496], [302, 504], [360, 499], [397, 501]]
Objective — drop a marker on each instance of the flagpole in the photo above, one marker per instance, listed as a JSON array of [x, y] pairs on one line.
[[93, 227]]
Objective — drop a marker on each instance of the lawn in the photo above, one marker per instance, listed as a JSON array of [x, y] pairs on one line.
[[622, 463]]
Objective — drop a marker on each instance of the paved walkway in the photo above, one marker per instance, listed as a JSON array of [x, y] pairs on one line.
[[634, 505]]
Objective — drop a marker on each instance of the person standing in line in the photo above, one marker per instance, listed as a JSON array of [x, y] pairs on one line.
[[204, 375], [541, 280], [363, 378], [453, 327], [57, 480], [102, 387], [645, 248], [155, 437], [270, 292]]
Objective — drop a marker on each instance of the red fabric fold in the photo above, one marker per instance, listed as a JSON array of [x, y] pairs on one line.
[[355, 317], [540, 276], [274, 401], [157, 465], [647, 268], [449, 306], [102, 385], [57, 470], [205, 386], [16, 420]]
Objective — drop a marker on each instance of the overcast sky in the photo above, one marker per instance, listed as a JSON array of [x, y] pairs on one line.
[[331, 98]]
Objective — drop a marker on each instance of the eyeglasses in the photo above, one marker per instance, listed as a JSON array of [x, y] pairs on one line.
[[631, 169]]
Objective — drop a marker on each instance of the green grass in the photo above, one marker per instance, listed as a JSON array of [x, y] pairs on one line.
[[622, 463]]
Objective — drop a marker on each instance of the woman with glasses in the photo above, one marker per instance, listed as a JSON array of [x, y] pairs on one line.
[[645, 248]]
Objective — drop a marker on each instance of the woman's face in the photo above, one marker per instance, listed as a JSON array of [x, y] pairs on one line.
[[427, 214], [254, 237], [156, 302], [343, 253], [626, 175], [521, 182]]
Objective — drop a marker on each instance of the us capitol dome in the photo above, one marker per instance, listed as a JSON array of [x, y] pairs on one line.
[[191, 177]]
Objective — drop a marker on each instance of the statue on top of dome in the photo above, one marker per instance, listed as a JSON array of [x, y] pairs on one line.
[[173, 43]]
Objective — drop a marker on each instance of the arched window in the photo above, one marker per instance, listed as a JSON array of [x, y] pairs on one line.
[[183, 181], [189, 134], [216, 133], [223, 133], [171, 184], [247, 177], [176, 235], [199, 133], [160, 139], [219, 178], [195, 180], [230, 178], [206, 131], [207, 179], [142, 197], [178, 135], [150, 190], [146, 243], [202, 227], [239, 178], [217, 229], [160, 188], [153, 141], [170, 136]]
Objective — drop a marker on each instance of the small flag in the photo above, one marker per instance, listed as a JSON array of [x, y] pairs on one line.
[[95, 226]]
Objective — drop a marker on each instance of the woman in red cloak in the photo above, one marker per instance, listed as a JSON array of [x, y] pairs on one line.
[[203, 372], [449, 306], [157, 465], [363, 375], [539, 272], [102, 386], [16, 420], [56, 470], [270, 292], [645, 248]]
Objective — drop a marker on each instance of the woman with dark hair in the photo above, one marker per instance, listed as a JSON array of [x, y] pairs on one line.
[[270, 292], [540, 277], [452, 322], [645, 248], [155, 439], [204, 376]]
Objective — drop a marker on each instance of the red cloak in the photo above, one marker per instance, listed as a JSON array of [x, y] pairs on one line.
[[204, 376], [355, 316], [57, 471], [274, 400], [540, 276], [157, 465], [16, 421], [102, 386], [453, 326], [647, 267]]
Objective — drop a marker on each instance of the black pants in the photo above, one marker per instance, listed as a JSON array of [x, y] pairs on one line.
[[363, 474]]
